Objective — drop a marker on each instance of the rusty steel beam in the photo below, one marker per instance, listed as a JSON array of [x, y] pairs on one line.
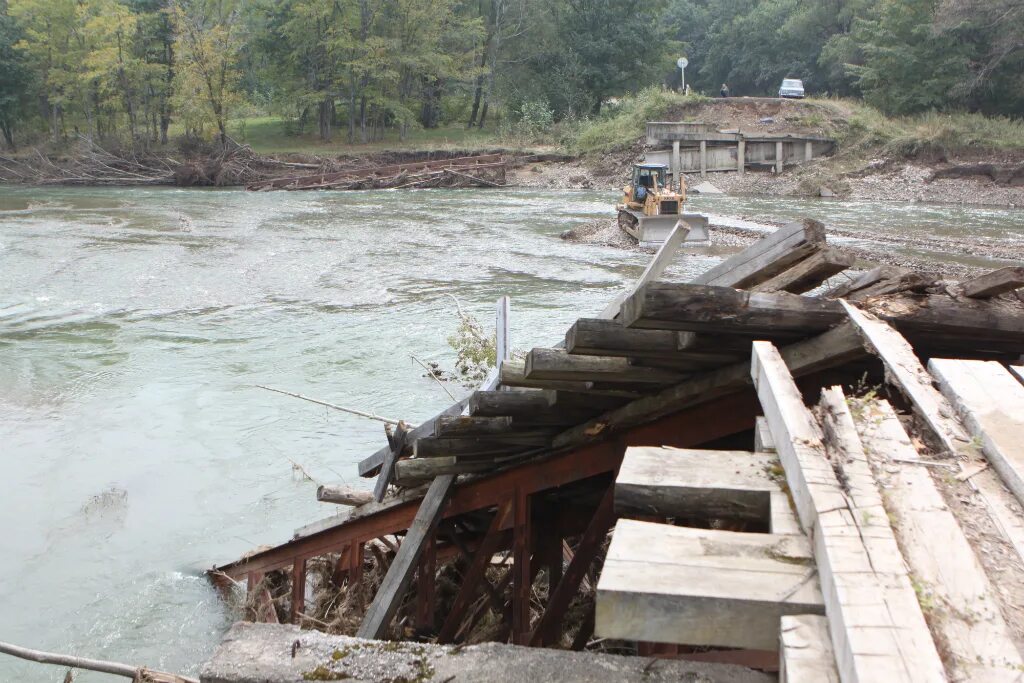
[[425, 586], [550, 622], [522, 577], [298, 589]]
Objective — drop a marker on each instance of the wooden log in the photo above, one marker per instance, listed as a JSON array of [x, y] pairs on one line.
[[700, 308], [669, 584], [969, 624], [464, 425], [596, 337], [421, 469], [805, 651], [702, 484], [995, 283], [136, 673], [809, 273], [767, 257], [838, 346], [343, 495], [396, 582], [556, 364], [877, 629], [990, 402]]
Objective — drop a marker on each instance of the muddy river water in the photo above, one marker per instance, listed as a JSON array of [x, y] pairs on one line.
[[134, 324]]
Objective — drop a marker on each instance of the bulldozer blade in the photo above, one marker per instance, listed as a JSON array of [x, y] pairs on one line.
[[654, 230]]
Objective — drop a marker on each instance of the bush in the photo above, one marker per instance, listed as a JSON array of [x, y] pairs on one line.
[[624, 121]]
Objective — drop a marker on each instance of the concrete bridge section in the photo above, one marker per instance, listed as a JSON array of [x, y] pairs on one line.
[[699, 148]]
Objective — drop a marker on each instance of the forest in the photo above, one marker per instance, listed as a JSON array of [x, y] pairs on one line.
[[139, 71]]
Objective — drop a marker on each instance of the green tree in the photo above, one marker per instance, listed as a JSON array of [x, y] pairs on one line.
[[15, 77]]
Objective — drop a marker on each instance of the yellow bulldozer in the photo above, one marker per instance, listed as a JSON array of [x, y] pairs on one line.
[[651, 207]]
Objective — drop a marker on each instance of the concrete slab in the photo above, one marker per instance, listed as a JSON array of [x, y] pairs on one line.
[[705, 188], [271, 653], [805, 653]]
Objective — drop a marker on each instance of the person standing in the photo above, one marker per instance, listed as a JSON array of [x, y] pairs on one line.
[[725, 90]]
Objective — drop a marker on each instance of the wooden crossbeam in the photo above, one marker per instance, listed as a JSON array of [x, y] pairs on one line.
[[370, 466], [412, 470], [700, 308], [995, 283], [396, 442], [767, 257], [464, 425], [400, 573], [879, 281], [596, 337], [513, 374]]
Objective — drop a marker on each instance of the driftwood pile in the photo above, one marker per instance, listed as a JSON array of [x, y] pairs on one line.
[[486, 170]]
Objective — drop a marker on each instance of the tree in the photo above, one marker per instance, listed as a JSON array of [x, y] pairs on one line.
[[207, 47], [15, 77]]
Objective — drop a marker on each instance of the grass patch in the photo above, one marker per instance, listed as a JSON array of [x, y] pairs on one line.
[[623, 123]]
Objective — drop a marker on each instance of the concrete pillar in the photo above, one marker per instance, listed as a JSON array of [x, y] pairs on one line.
[[808, 150], [741, 156], [677, 172], [703, 158], [778, 157]]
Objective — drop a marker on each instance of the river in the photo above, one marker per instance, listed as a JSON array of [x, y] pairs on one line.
[[134, 324]]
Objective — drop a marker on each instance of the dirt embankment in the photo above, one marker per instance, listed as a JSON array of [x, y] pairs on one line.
[[967, 177]]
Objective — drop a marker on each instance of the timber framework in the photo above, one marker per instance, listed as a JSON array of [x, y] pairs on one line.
[[774, 466]]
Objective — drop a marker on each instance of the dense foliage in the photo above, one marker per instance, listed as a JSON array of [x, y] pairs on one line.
[[128, 70]]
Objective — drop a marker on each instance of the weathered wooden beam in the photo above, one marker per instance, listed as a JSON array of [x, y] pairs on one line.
[[700, 308], [513, 374], [662, 259], [396, 582], [556, 364], [995, 283], [464, 425], [435, 446], [879, 281], [838, 346], [990, 402], [595, 337], [945, 566], [669, 584], [937, 315], [877, 628], [412, 470], [675, 482], [767, 257], [397, 440], [809, 273], [343, 495]]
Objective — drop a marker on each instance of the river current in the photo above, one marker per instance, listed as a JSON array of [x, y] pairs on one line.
[[135, 323]]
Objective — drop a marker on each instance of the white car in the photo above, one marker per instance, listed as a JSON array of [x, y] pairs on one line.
[[792, 87]]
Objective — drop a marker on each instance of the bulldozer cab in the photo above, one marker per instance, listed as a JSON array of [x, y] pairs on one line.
[[649, 175]]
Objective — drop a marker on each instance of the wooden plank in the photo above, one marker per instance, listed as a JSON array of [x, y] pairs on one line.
[[965, 616], [396, 582], [676, 482], [370, 466], [838, 346], [700, 308], [514, 404], [809, 273], [878, 631], [767, 257], [973, 320], [805, 650], [595, 337], [343, 495], [556, 364], [669, 584], [990, 402], [995, 283], [879, 281], [662, 259], [513, 374]]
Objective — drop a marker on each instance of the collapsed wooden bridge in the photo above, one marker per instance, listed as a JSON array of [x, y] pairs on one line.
[[483, 170], [875, 535]]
